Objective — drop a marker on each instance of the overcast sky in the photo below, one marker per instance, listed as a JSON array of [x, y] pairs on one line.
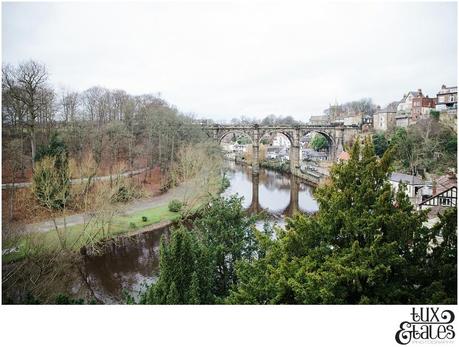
[[224, 60]]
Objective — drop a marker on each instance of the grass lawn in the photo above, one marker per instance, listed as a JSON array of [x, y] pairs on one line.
[[77, 236]]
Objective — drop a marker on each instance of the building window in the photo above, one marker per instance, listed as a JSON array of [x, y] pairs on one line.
[[445, 201]]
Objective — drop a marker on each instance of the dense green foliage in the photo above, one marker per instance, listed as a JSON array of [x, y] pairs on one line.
[[318, 142], [244, 140], [198, 265], [225, 183], [365, 245], [439, 280], [55, 148], [380, 143], [435, 114], [59, 299], [185, 269]]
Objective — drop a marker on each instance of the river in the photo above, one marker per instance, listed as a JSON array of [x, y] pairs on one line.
[[129, 264]]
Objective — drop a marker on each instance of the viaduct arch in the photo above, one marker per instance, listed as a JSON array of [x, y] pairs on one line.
[[337, 135]]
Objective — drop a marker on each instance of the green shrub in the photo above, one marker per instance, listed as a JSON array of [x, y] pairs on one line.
[[51, 177], [51, 182], [132, 225], [55, 148], [121, 195], [278, 166], [62, 299], [435, 114], [175, 205], [125, 191], [225, 183], [144, 218]]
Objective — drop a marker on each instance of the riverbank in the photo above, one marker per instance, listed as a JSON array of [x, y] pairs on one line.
[[132, 207], [279, 166], [74, 237], [77, 231]]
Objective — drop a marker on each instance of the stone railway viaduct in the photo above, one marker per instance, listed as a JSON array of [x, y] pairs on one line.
[[337, 136]]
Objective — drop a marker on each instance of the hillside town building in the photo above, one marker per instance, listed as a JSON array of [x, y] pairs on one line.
[[384, 119], [412, 183], [406, 104], [422, 105], [447, 99]]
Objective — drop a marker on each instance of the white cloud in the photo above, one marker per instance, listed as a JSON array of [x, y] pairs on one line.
[[227, 59]]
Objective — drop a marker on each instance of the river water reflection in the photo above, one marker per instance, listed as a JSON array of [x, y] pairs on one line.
[[127, 265], [269, 191]]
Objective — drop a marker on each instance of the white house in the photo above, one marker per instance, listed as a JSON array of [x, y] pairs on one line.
[[406, 104], [352, 120], [280, 140], [413, 184], [228, 147], [310, 154], [273, 152], [240, 148]]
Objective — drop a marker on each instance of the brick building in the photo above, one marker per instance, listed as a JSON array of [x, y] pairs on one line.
[[422, 105]]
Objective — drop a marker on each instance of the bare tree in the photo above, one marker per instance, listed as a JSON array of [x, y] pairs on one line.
[[27, 84], [92, 101], [69, 105], [14, 160]]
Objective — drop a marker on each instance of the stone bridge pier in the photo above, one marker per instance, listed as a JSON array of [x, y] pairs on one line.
[[256, 151]]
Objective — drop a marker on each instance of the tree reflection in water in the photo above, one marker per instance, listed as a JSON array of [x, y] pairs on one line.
[[278, 195]]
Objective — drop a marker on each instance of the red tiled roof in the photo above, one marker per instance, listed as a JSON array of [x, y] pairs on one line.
[[445, 182], [344, 156]]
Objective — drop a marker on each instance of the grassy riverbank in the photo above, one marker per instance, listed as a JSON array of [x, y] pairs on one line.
[[99, 228], [73, 238], [77, 236]]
